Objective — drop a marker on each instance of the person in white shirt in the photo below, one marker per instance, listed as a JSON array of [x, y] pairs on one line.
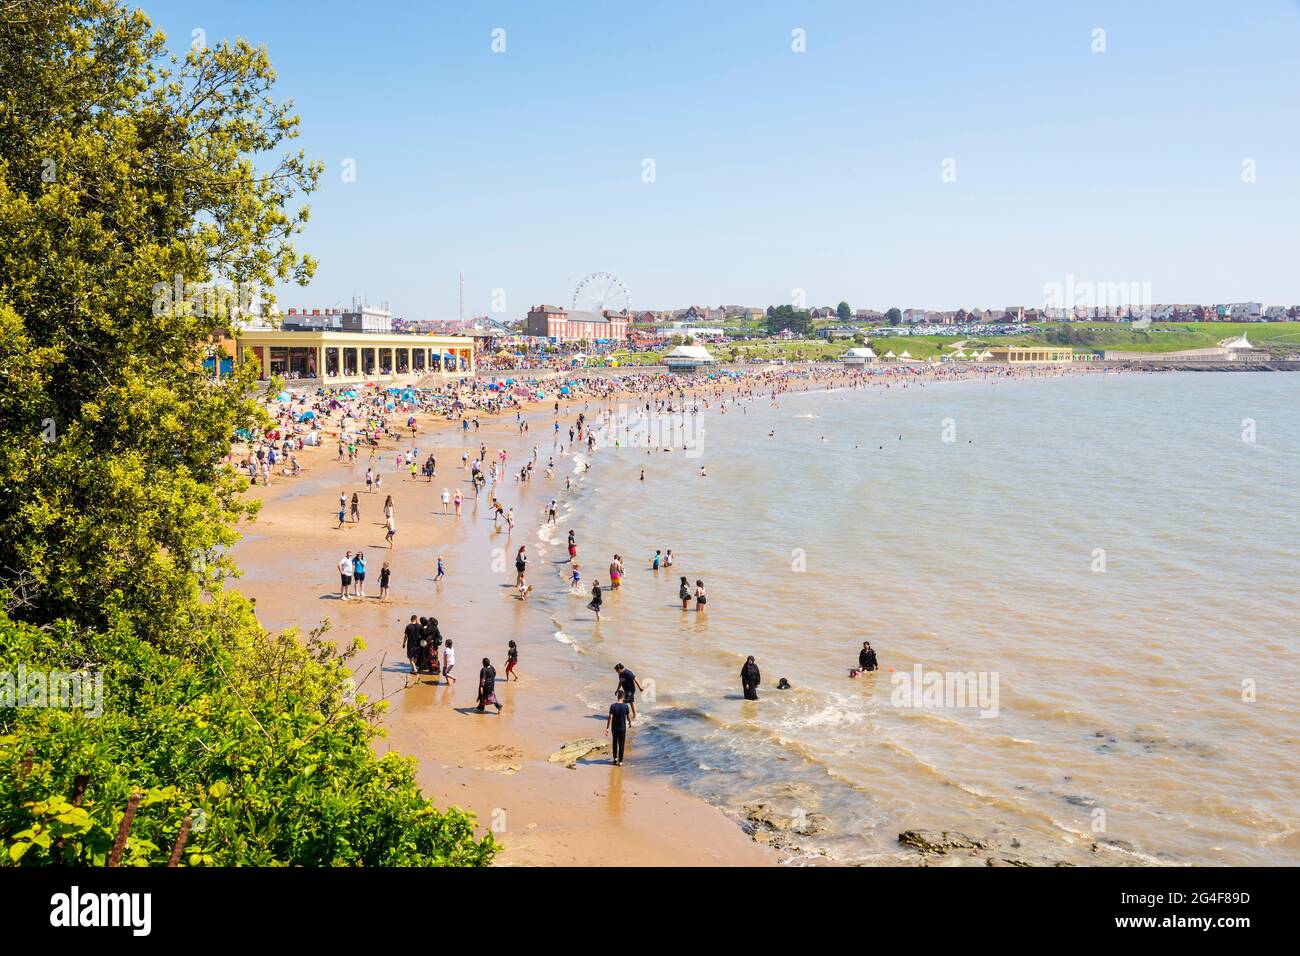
[[345, 576], [448, 662]]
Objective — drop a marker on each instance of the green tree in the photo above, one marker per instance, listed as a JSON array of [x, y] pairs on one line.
[[894, 316], [782, 317], [129, 181], [843, 312]]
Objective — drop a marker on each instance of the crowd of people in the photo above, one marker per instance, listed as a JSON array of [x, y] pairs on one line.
[[367, 421]]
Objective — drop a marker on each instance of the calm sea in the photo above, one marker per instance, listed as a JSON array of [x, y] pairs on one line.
[[1107, 562]]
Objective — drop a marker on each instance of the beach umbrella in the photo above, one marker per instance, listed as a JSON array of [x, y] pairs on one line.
[[564, 390], [282, 397]]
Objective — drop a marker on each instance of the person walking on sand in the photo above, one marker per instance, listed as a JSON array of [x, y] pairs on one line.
[[750, 678], [616, 725], [684, 592], [458, 500], [446, 500], [392, 530], [448, 662], [370, 479], [442, 571], [356, 507], [596, 599], [628, 685], [345, 576], [342, 511], [700, 598], [385, 575], [512, 661], [388, 507], [487, 683]]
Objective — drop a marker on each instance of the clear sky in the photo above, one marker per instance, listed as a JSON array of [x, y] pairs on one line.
[[776, 170]]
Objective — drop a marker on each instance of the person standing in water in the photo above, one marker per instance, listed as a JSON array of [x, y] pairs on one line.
[[700, 598], [521, 565], [750, 678], [867, 657], [596, 599], [616, 724], [684, 592]]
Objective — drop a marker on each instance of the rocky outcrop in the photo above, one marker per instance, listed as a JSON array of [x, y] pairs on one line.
[[570, 753]]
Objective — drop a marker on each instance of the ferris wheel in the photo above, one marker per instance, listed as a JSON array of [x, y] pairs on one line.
[[600, 292]]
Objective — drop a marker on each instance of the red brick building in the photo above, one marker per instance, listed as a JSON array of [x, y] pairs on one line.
[[553, 322]]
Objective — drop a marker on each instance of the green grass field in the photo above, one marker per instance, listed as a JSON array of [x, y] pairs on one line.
[[1158, 337]]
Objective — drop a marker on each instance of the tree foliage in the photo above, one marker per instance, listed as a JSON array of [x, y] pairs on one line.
[[782, 317], [126, 175]]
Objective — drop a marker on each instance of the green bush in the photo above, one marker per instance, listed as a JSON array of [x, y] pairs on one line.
[[257, 738]]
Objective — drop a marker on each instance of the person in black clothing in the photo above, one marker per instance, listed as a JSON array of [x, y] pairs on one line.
[[750, 678], [487, 683], [628, 686], [411, 641], [432, 639], [620, 716], [867, 657]]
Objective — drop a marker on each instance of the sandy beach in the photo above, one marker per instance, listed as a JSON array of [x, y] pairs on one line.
[[494, 765]]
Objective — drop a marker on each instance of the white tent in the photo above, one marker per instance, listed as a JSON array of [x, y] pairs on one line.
[[1238, 343], [858, 356], [906, 355], [890, 354], [688, 356]]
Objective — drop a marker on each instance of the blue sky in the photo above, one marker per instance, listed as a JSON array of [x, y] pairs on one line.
[[776, 170]]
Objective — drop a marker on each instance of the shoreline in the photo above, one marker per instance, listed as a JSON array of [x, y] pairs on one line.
[[494, 765]]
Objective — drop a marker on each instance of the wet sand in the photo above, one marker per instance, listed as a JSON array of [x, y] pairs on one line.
[[494, 765]]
